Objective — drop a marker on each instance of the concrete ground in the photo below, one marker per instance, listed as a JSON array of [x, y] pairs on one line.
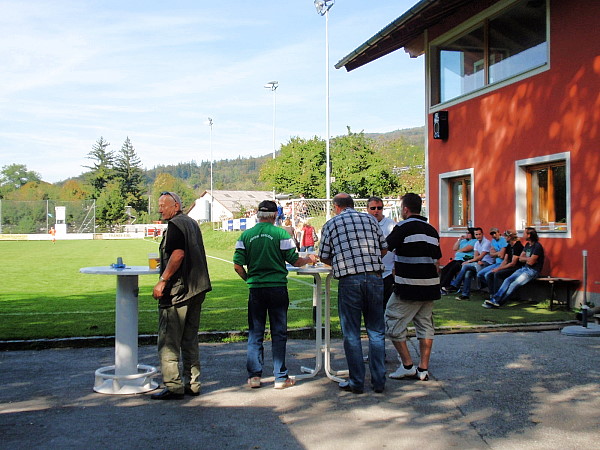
[[534, 390]]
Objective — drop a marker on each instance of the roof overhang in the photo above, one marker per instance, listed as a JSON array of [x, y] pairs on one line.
[[402, 32]]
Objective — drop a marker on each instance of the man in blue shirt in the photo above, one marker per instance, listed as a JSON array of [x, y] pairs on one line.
[[497, 251]]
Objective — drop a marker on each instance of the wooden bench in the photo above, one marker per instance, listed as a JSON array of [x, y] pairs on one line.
[[557, 282]]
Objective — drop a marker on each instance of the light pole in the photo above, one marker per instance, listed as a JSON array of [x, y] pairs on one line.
[[210, 124], [323, 7], [273, 85]]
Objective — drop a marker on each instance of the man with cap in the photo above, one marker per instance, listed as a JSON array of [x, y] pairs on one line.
[[182, 287], [264, 250]]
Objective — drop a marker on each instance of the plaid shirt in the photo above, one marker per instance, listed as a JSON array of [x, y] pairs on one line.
[[353, 241]]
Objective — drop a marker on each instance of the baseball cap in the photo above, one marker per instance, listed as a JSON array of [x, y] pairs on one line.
[[267, 206]]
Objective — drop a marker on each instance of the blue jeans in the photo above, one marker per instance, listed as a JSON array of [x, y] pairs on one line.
[[359, 296], [275, 302], [495, 279], [521, 277], [467, 271], [482, 274], [307, 249]]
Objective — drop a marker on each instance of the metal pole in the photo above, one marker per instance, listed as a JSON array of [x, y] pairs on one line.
[[210, 123], [327, 155], [584, 307], [274, 115]]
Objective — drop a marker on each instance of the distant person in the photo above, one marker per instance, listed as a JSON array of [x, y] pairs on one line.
[[417, 247], [183, 284], [308, 238], [52, 233], [155, 234], [353, 244], [287, 226], [264, 250], [532, 259], [463, 248]]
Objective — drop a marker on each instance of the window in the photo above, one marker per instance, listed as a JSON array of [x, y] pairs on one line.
[[543, 193], [546, 196], [494, 49], [456, 199]]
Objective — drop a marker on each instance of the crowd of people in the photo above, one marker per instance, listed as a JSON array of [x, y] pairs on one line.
[[388, 276]]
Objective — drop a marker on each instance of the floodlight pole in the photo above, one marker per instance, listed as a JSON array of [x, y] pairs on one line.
[[210, 124], [323, 7], [273, 85]]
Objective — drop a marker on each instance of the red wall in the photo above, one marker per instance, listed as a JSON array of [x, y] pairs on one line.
[[555, 111]]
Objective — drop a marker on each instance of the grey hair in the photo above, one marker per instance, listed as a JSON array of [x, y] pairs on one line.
[[266, 215]]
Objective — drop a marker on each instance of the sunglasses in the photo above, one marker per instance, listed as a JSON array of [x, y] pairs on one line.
[[373, 208], [169, 194], [493, 233]]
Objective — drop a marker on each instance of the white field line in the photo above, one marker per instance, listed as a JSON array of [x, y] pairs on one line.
[[293, 304]]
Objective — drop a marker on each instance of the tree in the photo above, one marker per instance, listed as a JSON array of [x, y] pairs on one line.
[[168, 183], [298, 169], [13, 176], [130, 175], [102, 170], [358, 170], [110, 206]]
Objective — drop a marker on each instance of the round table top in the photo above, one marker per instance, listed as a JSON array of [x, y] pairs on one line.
[[309, 269], [125, 271]]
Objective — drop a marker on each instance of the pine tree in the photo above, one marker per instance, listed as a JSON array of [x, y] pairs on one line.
[[102, 170], [130, 175]]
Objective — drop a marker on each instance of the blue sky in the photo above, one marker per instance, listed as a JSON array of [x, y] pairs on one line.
[[73, 71]]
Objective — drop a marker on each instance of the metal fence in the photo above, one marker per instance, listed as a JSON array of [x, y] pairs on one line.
[[32, 217]]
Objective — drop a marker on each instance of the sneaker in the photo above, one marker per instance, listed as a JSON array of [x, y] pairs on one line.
[[462, 297], [288, 382], [486, 305], [401, 372], [254, 382], [423, 376], [493, 303], [444, 291]]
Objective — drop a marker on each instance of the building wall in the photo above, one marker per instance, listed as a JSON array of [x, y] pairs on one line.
[[553, 112]]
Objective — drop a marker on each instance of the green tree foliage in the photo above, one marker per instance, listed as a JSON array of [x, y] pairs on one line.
[[13, 176], [110, 206], [73, 190], [34, 190], [129, 173], [102, 168], [358, 170], [298, 169]]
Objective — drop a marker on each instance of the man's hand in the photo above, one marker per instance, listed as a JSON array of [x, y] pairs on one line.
[[157, 292]]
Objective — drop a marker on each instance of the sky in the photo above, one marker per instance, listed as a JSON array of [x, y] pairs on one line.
[[73, 71]]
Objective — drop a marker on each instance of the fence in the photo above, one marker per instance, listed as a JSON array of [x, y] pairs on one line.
[[24, 217]]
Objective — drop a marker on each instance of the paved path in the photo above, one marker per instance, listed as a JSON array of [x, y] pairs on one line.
[[535, 390]]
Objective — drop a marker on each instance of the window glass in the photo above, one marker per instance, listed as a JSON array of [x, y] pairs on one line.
[[460, 204], [547, 191], [461, 65], [517, 41]]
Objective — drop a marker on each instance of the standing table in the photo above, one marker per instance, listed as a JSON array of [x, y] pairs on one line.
[[322, 323], [126, 376]]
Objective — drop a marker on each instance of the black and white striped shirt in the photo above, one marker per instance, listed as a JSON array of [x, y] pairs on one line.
[[417, 247]]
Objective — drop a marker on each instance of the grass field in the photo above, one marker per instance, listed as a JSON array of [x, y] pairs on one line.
[[45, 296]]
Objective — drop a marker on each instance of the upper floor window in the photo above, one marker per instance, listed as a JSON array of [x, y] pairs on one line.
[[497, 48]]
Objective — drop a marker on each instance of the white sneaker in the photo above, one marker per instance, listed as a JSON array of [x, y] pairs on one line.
[[254, 382], [423, 376], [401, 372]]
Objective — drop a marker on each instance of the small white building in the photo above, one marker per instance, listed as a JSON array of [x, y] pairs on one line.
[[226, 204]]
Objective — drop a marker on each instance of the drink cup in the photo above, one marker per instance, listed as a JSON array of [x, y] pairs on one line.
[[153, 261]]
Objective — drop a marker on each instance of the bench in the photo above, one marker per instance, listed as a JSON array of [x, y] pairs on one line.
[[557, 282]]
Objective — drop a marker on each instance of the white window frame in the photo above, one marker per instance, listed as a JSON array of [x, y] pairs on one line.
[[444, 194], [521, 192]]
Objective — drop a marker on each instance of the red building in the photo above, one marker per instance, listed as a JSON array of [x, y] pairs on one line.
[[513, 136]]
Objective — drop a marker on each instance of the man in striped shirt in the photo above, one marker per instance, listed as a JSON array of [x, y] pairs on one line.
[[417, 284]]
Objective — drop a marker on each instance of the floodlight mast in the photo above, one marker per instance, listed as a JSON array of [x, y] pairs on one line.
[[323, 7], [210, 124], [273, 85]]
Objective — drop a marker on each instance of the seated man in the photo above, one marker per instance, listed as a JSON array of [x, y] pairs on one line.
[[495, 277], [497, 251], [470, 267], [533, 258]]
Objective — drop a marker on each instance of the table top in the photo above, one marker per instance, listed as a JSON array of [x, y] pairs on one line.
[[125, 271], [309, 269]]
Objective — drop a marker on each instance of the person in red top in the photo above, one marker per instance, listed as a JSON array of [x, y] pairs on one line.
[[53, 233], [308, 237]]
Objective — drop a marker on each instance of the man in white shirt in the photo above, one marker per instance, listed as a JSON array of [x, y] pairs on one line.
[[480, 260]]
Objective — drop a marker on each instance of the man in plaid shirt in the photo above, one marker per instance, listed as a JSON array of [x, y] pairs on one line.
[[353, 244]]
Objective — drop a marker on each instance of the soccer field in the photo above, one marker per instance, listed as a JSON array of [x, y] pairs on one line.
[[45, 296]]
